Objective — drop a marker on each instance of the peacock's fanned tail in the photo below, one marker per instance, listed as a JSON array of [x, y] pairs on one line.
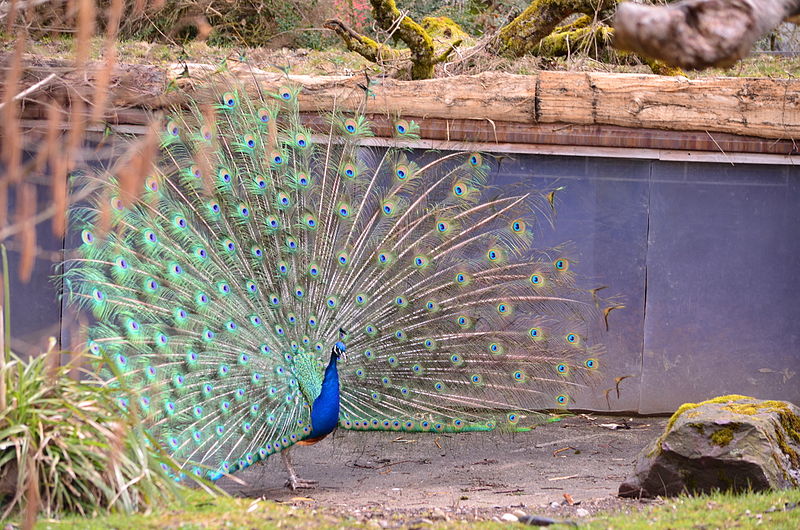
[[219, 292]]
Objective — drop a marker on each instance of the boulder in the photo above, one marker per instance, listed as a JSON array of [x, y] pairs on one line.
[[729, 443]]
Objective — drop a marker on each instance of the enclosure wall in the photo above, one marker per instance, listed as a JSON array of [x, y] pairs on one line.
[[704, 257]]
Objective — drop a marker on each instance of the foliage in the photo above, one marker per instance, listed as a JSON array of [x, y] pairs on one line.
[[238, 22], [200, 510], [66, 446], [354, 13]]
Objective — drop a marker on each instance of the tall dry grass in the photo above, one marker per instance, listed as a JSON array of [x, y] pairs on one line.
[[53, 146], [65, 443]]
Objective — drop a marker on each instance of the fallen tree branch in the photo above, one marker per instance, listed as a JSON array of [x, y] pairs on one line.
[[699, 33], [31, 89]]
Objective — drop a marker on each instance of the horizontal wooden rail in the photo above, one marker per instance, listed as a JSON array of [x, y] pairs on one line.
[[560, 108]]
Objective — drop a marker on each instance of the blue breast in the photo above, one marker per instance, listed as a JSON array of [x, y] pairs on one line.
[[325, 409]]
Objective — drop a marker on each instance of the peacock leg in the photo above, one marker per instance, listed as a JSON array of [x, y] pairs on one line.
[[294, 482]]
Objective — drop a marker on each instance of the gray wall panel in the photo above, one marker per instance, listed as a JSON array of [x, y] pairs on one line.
[[723, 298], [602, 211]]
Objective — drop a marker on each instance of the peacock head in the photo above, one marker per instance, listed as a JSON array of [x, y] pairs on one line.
[[340, 348], [340, 351]]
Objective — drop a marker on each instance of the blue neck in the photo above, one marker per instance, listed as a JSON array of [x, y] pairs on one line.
[[325, 409]]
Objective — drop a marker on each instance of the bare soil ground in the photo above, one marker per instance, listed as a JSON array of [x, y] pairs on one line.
[[552, 471]]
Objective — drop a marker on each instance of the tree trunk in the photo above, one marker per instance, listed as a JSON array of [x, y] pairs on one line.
[[699, 33]]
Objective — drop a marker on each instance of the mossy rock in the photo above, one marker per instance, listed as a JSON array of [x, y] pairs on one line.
[[729, 443]]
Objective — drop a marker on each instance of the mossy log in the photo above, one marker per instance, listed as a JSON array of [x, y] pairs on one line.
[[523, 34], [366, 47], [584, 35], [580, 35], [429, 43]]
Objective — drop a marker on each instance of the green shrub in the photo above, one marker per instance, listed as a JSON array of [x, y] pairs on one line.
[[66, 446]]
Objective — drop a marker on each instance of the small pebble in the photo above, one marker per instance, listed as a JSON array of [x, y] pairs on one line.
[[509, 518], [536, 520], [519, 513], [582, 512]]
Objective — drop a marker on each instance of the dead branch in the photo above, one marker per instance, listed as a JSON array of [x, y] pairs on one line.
[[31, 89], [699, 33]]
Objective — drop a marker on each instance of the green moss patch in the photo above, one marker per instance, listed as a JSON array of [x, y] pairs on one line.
[[722, 437]]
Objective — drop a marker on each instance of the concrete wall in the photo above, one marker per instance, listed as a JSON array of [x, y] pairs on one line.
[[705, 257]]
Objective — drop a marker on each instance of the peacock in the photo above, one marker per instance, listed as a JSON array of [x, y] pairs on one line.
[[274, 281]]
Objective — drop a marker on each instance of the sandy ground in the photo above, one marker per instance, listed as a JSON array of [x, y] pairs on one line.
[[392, 476]]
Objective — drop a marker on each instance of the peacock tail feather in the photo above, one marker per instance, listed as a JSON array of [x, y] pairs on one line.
[[219, 292]]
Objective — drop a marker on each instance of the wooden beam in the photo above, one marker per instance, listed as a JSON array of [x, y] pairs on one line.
[[768, 108], [764, 108]]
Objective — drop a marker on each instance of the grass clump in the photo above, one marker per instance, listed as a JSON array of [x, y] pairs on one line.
[[67, 447], [769, 509], [201, 510]]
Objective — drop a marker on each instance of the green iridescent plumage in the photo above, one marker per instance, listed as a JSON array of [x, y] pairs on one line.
[[220, 291]]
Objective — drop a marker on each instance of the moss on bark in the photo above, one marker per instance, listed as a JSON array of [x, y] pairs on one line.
[[364, 46], [390, 19], [523, 34], [580, 35], [419, 38]]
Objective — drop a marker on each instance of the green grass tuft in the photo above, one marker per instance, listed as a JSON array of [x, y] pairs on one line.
[[201, 510], [772, 509], [65, 445]]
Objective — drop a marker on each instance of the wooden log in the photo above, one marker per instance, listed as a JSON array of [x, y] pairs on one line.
[[487, 96], [765, 108], [768, 108], [762, 107]]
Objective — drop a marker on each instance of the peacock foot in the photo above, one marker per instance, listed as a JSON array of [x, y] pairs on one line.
[[298, 484], [294, 482]]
